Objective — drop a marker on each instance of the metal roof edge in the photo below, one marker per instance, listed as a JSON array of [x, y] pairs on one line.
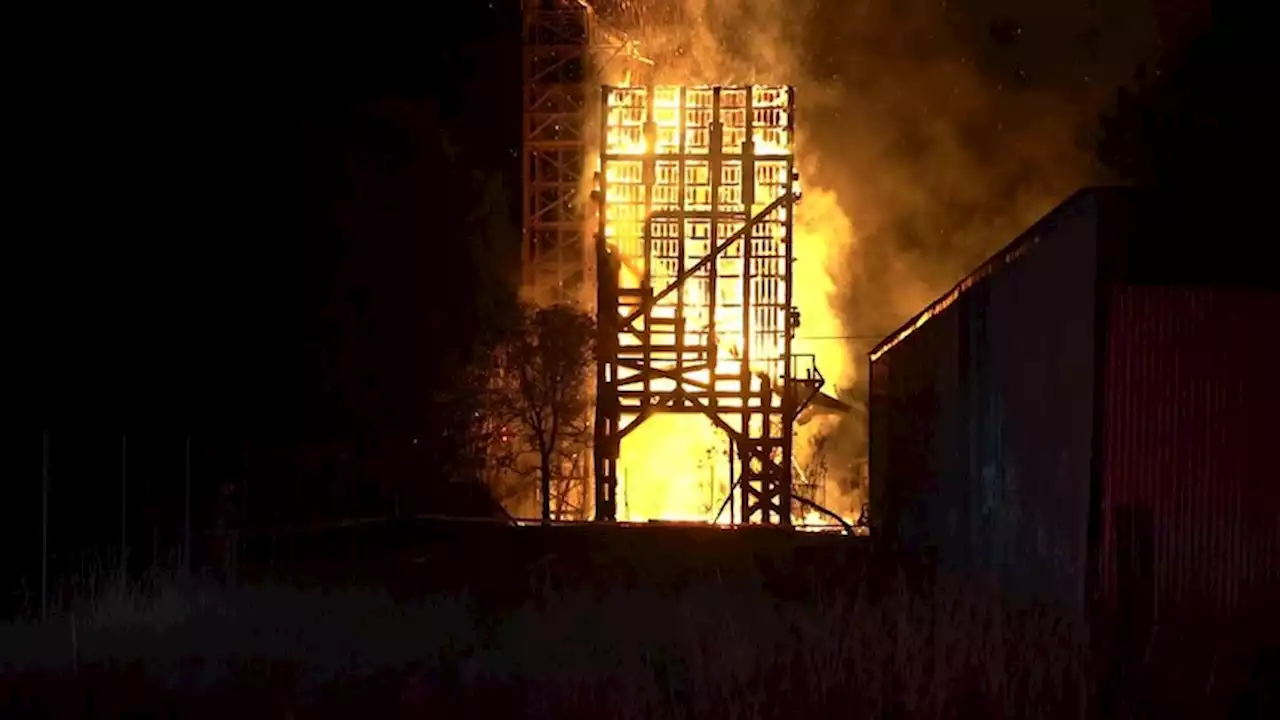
[[1003, 257]]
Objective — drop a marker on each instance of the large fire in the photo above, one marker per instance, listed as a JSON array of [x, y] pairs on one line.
[[679, 466]]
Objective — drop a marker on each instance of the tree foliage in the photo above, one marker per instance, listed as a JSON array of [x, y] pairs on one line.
[[540, 398], [1194, 122], [1194, 134], [421, 295]]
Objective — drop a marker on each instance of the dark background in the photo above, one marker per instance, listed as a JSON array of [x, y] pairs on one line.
[[240, 222], [269, 222], [264, 230], [259, 221], [267, 233]]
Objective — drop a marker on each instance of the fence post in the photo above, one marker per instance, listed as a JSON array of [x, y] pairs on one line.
[[186, 518], [44, 527], [124, 500]]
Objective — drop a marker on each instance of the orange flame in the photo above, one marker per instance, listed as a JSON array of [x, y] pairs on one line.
[[677, 466]]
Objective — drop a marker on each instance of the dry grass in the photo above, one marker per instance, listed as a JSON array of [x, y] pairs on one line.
[[705, 644], [729, 649]]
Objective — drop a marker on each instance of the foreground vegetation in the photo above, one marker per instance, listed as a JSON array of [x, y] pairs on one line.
[[718, 644], [724, 642]]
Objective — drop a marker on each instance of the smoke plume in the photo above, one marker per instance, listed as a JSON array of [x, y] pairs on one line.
[[927, 139]]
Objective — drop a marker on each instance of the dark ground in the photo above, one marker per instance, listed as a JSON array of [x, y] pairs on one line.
[[424, 618]]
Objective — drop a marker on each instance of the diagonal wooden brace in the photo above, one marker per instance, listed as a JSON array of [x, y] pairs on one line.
[[647, 304]]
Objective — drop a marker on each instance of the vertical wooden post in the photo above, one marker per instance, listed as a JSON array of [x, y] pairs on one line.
[[244, 479], [186, 507], [124, 500], [44, 527], [733, 479]]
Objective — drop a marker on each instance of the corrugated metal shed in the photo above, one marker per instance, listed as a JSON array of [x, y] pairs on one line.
[[1189, 492], [1058, 426], [980, 419]]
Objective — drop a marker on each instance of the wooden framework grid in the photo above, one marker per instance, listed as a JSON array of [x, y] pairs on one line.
[[694, 259]]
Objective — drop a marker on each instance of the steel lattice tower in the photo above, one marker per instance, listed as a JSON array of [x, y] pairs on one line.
[[694, 295], [567, 54]]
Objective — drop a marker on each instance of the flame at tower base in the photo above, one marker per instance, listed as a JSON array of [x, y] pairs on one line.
[[680, 467]]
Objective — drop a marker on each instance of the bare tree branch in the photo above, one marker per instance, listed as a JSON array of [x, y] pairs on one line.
[[542, 387]]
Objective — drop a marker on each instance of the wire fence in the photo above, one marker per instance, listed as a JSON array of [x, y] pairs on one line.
[[125, 505]]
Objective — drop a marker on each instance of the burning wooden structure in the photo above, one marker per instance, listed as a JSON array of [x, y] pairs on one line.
[[694, 259], [685, 259]]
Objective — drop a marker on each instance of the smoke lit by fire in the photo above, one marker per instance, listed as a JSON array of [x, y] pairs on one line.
[[918, 158], [678, 466]]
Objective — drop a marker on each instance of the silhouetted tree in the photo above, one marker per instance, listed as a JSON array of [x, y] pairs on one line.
[[1194, 132], [541, 392], [1191, 123], [422, 297]]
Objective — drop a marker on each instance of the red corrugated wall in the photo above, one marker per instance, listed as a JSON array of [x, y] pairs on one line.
[[1190, 512]]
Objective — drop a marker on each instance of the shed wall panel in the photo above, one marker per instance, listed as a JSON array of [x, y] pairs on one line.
[[1190, 489], [982, 416]]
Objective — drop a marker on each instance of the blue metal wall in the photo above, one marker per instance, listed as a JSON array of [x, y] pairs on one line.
[[982, 415]]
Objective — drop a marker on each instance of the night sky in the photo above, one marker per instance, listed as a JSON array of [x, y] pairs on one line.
[[247, 223], [245, 210]]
